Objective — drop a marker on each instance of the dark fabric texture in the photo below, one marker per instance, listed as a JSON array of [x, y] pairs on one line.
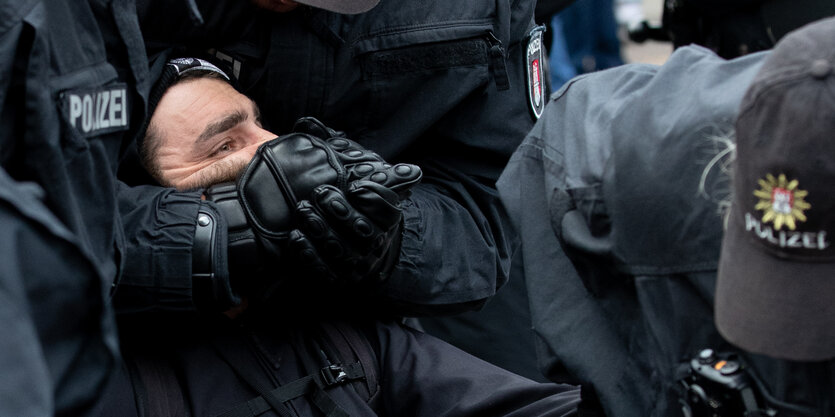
[[416, 374], [342, 6], [59, 345], [500, 332], [160, 224], [69, 96], [623, 297], [387, 78], [315, 63]]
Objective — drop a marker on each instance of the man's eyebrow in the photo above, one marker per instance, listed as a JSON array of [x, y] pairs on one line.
[[221, 126]]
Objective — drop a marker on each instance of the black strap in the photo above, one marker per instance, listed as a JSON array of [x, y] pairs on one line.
[[244, 364], [156, 387], [274, 398], [312, 384], [354, 347]]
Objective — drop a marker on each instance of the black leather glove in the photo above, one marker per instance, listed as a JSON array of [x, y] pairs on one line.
[[362, 163], [285, 171], [261, 208], [350, 237]]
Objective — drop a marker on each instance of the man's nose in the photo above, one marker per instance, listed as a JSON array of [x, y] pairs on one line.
[[259, 135]]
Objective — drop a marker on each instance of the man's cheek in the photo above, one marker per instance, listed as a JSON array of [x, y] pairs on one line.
[[173, 177], [227, 169]]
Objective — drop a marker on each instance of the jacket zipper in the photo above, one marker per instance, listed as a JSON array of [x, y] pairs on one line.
[[498, 66]]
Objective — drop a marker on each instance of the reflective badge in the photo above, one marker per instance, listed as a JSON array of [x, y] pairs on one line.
[[97, 111], [536, 73]]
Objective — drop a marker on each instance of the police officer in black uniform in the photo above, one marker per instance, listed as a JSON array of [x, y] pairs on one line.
[[295, 363], [445, 87], [70, 96]]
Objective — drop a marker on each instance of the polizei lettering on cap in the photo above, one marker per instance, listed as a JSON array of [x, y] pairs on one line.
[[786, 239], [97, 111]]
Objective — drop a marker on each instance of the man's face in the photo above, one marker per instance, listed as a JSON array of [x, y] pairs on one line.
[[207, 132]]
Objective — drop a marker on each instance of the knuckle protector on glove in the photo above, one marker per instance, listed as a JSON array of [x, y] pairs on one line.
[[351, 153], [350, 226], [399, 177], [310, 220], [376, 202], [318, 230], [330, 221], [294, 165]]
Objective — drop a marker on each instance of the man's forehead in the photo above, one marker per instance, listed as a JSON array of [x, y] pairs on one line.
[[192, 104], [204, 88]]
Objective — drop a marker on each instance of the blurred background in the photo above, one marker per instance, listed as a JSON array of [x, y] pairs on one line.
[[591, 35], [650, 52]]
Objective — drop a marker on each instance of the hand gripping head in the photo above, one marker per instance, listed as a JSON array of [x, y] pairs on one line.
[[283, 172]]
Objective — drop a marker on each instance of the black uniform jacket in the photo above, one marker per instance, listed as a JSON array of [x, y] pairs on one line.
[[69, 95], [441, 85]]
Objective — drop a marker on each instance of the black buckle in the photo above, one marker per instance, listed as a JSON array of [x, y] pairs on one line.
[[333, 374]]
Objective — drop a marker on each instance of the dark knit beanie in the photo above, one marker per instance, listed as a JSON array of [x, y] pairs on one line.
[[173, 70]]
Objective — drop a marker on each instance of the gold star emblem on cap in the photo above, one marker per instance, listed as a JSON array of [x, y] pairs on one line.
[[781, 201]]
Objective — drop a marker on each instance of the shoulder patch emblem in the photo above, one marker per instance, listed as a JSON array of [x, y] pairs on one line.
[[536, 75]]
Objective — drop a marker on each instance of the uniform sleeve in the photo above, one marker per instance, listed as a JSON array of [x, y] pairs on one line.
[[59, 345], [425, 376], [208, 23], [23, 360], [456, 245], [160, 226], [458, 240]]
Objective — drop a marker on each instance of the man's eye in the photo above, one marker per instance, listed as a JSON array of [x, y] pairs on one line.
[[226, 147]]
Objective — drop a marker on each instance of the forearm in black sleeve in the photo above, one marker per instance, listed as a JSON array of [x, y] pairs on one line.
[[458, 240], [456, 245], [158, 275]]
